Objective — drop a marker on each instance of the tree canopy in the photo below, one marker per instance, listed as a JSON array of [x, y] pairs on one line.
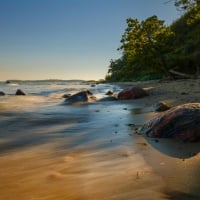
[[150, 49], [190, 6]]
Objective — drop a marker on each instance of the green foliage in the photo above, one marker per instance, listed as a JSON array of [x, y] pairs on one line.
[[150, 49], [187, 43], [146, 41], [190, 6]]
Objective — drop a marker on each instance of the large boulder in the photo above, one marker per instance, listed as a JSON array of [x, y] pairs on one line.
[[83, 96], [19, 92], [132, 93], [181, 122]]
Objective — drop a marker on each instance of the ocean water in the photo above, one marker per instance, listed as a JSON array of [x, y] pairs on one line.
[[47, 92], [42, 116], [53, 151]]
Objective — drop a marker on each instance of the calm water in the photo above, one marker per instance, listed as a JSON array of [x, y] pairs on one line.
[[52, 151]]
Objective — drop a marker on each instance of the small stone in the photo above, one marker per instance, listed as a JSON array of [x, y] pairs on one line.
[[184, 93], [142, 143], [161, 106], [2, 93], [19, 92], [130, 124], [7, 82], [109, 93]]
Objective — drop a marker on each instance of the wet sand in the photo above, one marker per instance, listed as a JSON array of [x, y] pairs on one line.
[[91, 152]]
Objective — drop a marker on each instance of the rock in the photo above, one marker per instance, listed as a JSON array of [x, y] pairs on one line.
[[110, 98], [181, 122], [19, 92], [2, 93], [160, 106], [132, 93], [66, 96], [83, 96], [109, 93], [7, 82], [184, 93], [89, 92]]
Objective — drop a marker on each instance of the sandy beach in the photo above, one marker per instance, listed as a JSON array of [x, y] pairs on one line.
[[173, 92], [91, 152]]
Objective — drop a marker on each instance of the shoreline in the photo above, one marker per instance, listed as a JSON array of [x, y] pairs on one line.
[[174, 92], [81, 152], [175, 162]]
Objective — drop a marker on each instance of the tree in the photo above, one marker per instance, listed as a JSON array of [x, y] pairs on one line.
[[147, 41], [187, 44], [187, 4], [150, 48], [190, 6], [120, 70]]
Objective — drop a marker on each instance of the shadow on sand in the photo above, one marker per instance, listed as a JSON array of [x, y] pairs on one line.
[[174, 148]]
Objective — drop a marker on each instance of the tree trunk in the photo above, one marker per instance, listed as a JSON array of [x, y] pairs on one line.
[[183, 75]]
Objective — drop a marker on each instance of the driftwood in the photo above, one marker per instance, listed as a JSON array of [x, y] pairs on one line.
[[182, 74]]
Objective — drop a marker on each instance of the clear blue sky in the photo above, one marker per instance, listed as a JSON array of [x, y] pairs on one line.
[[67, 39]]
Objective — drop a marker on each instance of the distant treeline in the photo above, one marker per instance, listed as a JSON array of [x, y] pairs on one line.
[[152, 50]]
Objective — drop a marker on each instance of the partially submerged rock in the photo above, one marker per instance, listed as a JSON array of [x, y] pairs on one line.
[[7, 82], [19, 92], [109, 93], [66, 96], [132, 93], [83, 96], [2, 93], [110, 98], [181, 122]]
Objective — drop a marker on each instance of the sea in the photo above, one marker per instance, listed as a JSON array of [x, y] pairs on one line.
[[51, 91], [43, 110]]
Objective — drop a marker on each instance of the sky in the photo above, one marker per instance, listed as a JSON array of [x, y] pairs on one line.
[[68, 39]]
